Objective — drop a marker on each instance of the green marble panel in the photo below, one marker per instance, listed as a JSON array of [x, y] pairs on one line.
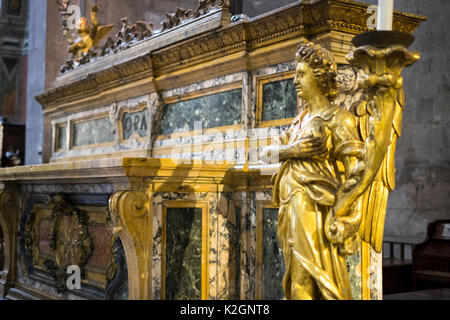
[[215, 110], [354, 273], [135, 122], [183, 253], [237, 251], [61, 140], [92, 132], [273, 262], [279, 100]]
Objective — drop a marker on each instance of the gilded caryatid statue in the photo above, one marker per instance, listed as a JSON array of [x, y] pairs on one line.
[[336, 168], [308, 181]]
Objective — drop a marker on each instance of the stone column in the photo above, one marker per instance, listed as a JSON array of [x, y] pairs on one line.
[[36, 80]]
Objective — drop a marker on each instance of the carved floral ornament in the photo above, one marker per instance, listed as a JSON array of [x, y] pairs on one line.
[[69, 239], [83, 49], [70, 244]]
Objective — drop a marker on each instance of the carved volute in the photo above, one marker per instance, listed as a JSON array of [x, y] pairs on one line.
[[132, 220]]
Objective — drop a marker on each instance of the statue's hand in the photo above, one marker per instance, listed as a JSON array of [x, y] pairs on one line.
[[310, 147], [270, 154], [342, 232], [342, 207], [334, 229]]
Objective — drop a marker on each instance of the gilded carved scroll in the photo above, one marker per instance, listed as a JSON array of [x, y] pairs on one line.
[[131, 219]]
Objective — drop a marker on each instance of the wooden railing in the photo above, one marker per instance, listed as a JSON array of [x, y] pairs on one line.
[[397, 250]]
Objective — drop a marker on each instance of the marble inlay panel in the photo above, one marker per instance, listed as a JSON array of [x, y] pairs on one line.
[[92, 132], [215, 110], [354, 272], [214, 248], [228, 248], [45, 226], [279, 100], [273, 262], [376, 275], [135, 124], [248, 246], [274, 69], [183, 253], [206, 84], [61, 140], [101, 254], [157, 247]]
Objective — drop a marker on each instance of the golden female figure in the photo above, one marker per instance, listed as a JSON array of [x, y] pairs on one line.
[[308, 181]]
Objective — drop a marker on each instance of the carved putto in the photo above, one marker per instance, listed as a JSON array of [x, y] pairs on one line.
[[82, 49]]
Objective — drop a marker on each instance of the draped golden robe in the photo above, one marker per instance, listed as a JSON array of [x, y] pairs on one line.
[[305, 190]]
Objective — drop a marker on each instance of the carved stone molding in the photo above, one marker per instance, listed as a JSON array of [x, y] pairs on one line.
[[132, 220]]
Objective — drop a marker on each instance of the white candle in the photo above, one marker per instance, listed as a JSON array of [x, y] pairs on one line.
[[385, 14]]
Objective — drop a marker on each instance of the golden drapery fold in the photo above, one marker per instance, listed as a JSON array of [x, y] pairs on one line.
[[305, 191]]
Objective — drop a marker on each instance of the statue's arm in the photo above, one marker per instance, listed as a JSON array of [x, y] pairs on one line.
[[350, 150], [94, 19], [310, 147], [375, 148]]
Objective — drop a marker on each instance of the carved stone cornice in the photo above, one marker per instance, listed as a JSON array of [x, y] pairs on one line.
[[108, 77], [171, 51], [350, 17]]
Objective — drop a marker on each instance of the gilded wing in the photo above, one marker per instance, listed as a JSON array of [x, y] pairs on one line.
[[102, 32], [373, 202]]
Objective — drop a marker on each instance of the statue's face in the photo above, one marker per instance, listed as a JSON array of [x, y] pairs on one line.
[[83, 23], [305, 82]]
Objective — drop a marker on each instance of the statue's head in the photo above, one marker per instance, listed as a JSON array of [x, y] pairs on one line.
[[316, 70], [83, 24]]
